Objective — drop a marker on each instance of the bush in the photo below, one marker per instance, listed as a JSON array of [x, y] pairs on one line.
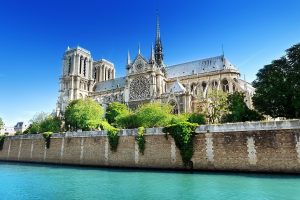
[[179, 118], [140, 138], [153, 115], [47, 136], [183, 134], [196, 118], [112, 134], [127, 121], [114, 110], [33, 128], [85, 114], [50, 124], [2, 139]]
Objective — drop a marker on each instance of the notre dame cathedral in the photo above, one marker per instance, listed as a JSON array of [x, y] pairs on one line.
[[147, 80]]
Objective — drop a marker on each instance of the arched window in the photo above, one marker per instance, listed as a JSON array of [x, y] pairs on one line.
[[84, 67], [174, 106], [233, 87], [225, 85], [108, 74], [204, 84], [70, 65], [95, 73], [214, 84], [80, 64]]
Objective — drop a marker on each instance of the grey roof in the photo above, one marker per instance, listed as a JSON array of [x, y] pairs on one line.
[[199, 66], [176, 87], [111, 84]]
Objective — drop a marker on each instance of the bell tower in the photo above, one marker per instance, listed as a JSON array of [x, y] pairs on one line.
[[77, 77]]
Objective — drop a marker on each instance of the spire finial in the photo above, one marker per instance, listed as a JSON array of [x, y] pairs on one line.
[[157, 27], [139, 51], [152, 58], [223, 50], [128, 58], [158, 44]]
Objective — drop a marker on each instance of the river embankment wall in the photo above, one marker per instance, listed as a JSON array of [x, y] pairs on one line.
[[249, 146]]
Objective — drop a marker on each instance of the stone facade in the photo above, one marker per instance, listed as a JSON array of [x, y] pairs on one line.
[[262, 147], [147, 80]]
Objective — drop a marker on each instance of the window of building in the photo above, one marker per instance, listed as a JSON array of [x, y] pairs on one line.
[[70, 65], [84, 67], [225, 85]]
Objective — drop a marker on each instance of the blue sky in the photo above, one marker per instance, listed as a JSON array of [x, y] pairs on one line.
[[35, 34]]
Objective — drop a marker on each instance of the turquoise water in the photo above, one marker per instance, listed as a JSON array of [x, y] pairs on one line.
[[30, 181]]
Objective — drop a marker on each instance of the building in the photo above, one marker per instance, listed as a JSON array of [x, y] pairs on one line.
[[20, 127], [147, 79]]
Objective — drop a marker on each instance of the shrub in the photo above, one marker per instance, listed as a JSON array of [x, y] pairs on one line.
[[183, 134], [2, 139], [127, 121], [85, 114], [179, 118], [153, 115], [196, 118], [140, 138], [33, 128], [112, 134], [50, 124], [114, 110], [47, 136]]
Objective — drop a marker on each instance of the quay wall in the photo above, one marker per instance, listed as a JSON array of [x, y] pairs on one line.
[[255, 147]]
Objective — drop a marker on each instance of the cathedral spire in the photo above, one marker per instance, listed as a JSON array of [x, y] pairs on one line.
[[152, 58], [157, 29], [158, 45], [139, 50], [128, 58]]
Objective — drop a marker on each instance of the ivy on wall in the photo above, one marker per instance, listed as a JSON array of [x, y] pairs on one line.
[[140, 138], [183, 134], [112, 134], [47, 136], [2, 139]]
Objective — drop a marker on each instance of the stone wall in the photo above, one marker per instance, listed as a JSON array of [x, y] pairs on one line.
[[259, 147]]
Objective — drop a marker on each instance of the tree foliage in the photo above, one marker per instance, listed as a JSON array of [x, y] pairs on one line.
[[43, 119], [114, 110], [85, 114], [50, 124], [239, 111], [214, 105], [278, 86], [153, 115], [147, 115], [1, 123]]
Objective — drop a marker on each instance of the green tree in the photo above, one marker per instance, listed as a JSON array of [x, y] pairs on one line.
[[278, 86], [50, 124], [36, 121], [239, 111], [1, 123], [114, 110], [214, 106], [128, 120], [147, 115], [154, 115], [85, 114]]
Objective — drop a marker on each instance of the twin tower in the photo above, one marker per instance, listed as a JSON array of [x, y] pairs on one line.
[[81, 73]]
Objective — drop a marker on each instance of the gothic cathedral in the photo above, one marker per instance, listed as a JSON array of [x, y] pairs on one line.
[[147, 80]]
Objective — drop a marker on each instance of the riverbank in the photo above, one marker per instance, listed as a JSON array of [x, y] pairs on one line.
[[249, 147]]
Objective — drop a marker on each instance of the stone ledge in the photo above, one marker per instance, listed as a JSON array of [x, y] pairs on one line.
[[250, 126]]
